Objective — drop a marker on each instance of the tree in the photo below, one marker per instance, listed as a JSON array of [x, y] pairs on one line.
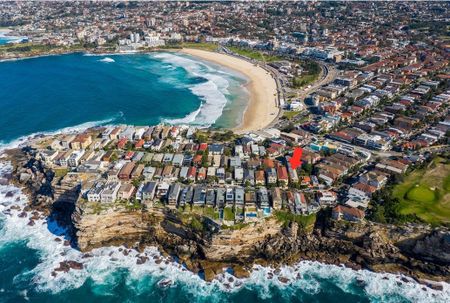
[[205, 158]]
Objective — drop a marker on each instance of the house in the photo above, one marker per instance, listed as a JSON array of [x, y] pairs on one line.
[[173, 194], [125, 191], [216, 161], [112, 175], [249, 176], [215, 149], [263, 201], [108, 156], [138, 156], [147, 157], [162, 190], [276, 198], [167, 173], [238, 174], [282, 174], [186, 196], [125, 171], [239, 196], [220, 174], [374, 178], [114, 134], [139, 143], [109, 192], [121, 143], [199, 196], [148, 191], [137, 171], [300, 204], [183, 172], [129, 155], [178, 159], [250, 209], [197, 160], [326, 197], [167, 158], [220, 197], [81, 141], [63, 158], [259, 177], [75, 157], [201, 174], [192, 172], [211, 172], [210, 197], [271, 176], [229, 197], [347, 213], [361, 189], [235, 162], [149, 172], [93, 194]]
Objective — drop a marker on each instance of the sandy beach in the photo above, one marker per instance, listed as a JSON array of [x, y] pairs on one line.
[[262, 108]]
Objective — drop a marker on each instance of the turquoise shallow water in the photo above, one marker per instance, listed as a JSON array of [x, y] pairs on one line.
[[8, 39], [54, 92]]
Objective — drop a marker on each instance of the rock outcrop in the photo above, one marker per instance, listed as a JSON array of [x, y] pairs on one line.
[[417, 250]]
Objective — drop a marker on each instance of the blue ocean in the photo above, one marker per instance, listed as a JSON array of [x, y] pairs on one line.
[[55, 92], [47, 94]]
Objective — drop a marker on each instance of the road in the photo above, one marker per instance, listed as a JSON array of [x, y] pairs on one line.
[[328, 74]]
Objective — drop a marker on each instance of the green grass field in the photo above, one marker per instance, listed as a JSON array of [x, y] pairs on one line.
[[290, 114], [201, 45], [426, 193], [256, 55]]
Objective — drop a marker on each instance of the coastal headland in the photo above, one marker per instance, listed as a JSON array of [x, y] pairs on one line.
[[262, 108], [202, 246]]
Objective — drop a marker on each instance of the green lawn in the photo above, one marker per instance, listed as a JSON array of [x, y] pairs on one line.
[[426, 193], [290, 114], [304, 80], [304, 221], [228, 214], [421, 193], [252, 54], [205, 46], [60, 172]]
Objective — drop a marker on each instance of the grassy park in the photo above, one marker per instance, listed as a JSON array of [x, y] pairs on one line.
[[253, 54], [426, 193]]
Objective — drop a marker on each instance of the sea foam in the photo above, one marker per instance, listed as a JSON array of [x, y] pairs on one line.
[[70, 129], [107, 60], [102, 266], [213, 92]]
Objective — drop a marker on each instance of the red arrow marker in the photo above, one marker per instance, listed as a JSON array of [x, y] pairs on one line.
[[296, 159]]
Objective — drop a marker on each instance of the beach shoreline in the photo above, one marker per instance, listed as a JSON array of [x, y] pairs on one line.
[[262, 107]]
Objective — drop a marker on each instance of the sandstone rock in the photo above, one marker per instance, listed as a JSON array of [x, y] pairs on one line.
[[141, 260]]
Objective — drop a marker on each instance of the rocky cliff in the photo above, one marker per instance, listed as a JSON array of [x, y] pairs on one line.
[[418, 251]]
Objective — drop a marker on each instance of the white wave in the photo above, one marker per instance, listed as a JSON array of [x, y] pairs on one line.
[[212, 93], [71, 129], [101, 266], [107, 60], [188, 119], [11, 39]]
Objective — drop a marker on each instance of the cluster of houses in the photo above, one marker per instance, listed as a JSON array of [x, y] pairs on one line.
[[394, 114], [230, 182]]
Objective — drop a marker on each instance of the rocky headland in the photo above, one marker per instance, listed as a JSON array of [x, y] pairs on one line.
[[418, 251]]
